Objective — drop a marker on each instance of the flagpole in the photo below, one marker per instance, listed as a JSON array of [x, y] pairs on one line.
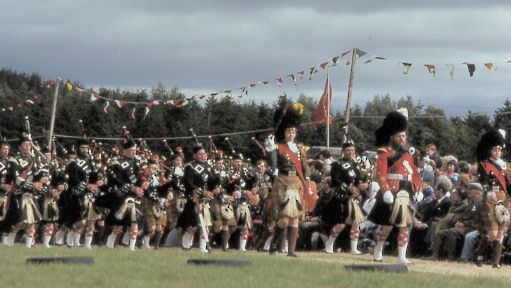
[[348, 101], [53, 112], [328, 112]]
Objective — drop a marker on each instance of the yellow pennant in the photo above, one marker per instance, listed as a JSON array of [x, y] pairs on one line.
[[490, 66], [69, 87]]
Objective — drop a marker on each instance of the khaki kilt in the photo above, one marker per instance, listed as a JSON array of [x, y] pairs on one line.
[[287, 197], [153, 213], [492, 223], [219, 219]]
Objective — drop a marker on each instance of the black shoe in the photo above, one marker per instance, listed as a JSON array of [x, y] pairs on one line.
[[273, 249], [376, 260], [479, 261]]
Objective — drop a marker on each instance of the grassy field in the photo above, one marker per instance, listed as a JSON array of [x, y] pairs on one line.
[[168, 268]]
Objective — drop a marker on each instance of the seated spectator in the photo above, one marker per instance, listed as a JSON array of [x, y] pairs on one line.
[[450, 229], [440, 207], [472, 223]]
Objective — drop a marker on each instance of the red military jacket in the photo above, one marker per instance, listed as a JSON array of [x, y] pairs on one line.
[[391, 168], [491, 174]]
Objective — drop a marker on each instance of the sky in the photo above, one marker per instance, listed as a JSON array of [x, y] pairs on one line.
[[204, 47]]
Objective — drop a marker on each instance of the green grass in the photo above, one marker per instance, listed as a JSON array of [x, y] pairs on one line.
[[167, 268]]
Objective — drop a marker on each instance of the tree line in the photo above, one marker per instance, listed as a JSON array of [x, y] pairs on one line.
[[427, 124]]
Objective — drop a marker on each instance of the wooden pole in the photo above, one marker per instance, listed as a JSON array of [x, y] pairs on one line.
[[53, 112], [348, 101], [328, 96]]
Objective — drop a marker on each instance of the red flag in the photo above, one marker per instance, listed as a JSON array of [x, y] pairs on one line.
[[322, 114]]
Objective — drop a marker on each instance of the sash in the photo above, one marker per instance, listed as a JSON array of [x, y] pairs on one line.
[[497, 172], [285, 151]]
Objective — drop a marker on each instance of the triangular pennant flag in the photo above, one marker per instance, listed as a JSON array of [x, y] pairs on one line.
[[335, 60], [323, 65], [312, 71], [374, 58], [300, 74], [252, 85], [451, 70], [292, 77], [181, 103], [490, 66], [202, 96], [471, 69], [93, 98], [345, 53], [431, 68], [407, 67], [133, 115], [105, 109], [213, 94], [279, 81], [359, 52], [69, 87], [265, 82]]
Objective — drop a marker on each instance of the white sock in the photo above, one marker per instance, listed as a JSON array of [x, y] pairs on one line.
[[46, 241], [190, 244], [147, 238], [10, 239], [88, 242], [202, 246], [59, 237], [110, 241], [28, 241], [354, 249], [126, 238], [186, 240], [378, 251], [243, 243], [76, 239], [132, 244], [70, 238], [401, 254], [329, 245], [5, 236], [267, 243], [286, 246]]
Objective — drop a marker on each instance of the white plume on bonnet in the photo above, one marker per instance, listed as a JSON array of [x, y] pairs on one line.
[[403, 111], [503, 133]]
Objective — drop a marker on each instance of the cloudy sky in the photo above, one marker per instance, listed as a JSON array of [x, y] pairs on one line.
[[209, 46]]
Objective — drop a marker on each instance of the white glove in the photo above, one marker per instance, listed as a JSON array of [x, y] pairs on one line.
[[418, 196], [269, 143], [388, 197]]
